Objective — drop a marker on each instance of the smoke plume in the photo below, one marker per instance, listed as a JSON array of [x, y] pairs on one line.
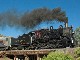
[[32, 18]]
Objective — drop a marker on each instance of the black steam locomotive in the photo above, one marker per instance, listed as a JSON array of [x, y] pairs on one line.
[[45, 39]]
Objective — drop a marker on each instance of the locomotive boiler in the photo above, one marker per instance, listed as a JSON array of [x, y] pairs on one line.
[[51, 38]]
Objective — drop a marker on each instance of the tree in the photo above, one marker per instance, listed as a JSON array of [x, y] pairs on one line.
[[77, 35], [58, 56], [78, 58]]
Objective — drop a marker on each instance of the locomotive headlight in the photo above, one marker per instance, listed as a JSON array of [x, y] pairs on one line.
[[72, 40], [10, 45], [73, 32]]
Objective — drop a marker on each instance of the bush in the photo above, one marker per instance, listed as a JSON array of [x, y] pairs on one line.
[[77, 52], [58, 56], [78, 58]]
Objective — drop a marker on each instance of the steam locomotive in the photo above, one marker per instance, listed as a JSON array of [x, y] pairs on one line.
[[44, 39], [51, 38]]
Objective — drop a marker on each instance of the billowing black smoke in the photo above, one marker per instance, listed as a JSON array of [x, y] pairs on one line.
[[32, 18], [9, 18]]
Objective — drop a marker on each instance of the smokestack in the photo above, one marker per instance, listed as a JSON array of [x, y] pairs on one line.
[[66, 24]]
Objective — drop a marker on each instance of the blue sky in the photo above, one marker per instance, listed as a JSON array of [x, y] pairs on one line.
[[72, 8]]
